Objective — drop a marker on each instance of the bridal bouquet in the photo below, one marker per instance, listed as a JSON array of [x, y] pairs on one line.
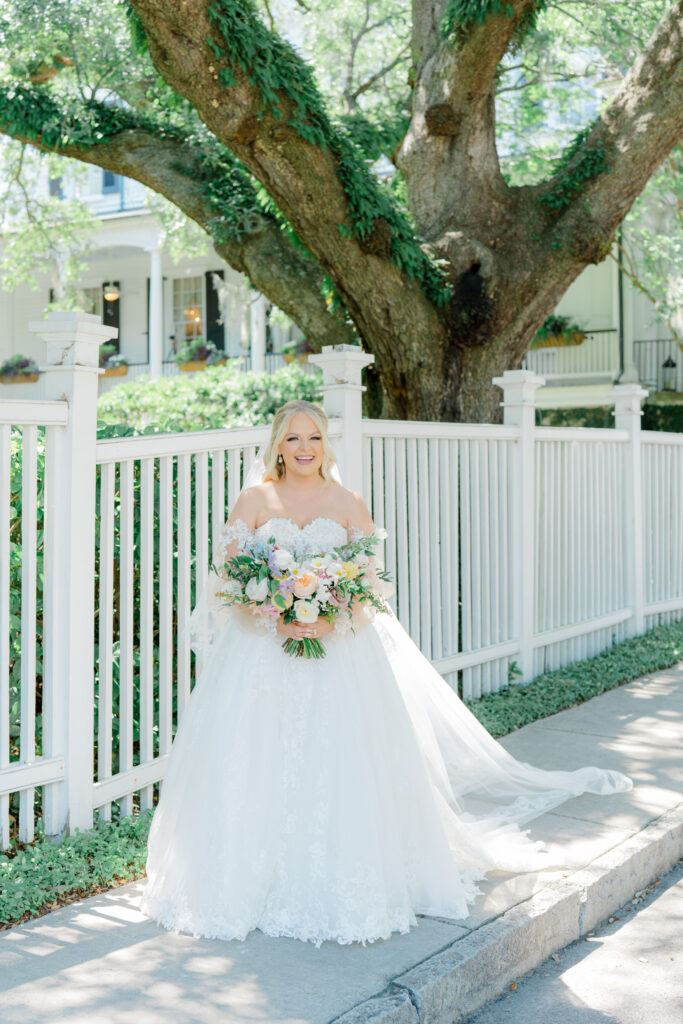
[[271, 581]]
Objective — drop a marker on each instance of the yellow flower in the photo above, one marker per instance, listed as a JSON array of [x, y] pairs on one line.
[[350, 570]]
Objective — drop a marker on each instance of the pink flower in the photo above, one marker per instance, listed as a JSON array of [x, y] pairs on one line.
[[338, 598], [267, 609]]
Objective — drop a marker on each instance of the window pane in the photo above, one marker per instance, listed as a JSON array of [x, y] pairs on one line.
[[188, 308]]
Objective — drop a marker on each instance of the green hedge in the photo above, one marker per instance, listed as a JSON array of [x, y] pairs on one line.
[[37, 878], [660, 412], [551, 692], [219, 396]]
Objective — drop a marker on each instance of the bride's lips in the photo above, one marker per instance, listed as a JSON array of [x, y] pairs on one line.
[[304, 458]]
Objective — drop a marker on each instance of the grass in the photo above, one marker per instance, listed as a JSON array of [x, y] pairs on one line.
[[40, 877]]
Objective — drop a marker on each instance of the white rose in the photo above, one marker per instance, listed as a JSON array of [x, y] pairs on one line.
[[257, 590], [306, 611], [282, 558], [361, 559], [232, 589], [381, 533]]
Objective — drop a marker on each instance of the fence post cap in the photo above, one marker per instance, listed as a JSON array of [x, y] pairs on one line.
[[342, 364], [73, 338]]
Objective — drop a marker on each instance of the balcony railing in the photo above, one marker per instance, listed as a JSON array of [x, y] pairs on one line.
[[650, 355], [597, 356]]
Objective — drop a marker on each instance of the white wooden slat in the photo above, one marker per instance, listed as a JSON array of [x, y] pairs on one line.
[[494, 498], [29, 566], [424, 546], [201, 519], [367, 472], [234, 484], [248, 459], [217, 501], [53, 710], [105, 622], [432, 487], [165, 603], [413, 539], [127, 637], [146, 622], [184, 578], [466, 555], [484, 573], [154, 446], [36, 414], [377, 498], [402, 598], [390, 507], [475, 575], [446, 534], [5, 498]]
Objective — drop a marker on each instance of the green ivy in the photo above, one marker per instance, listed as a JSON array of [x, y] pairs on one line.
[[570, 175], [40, 877], [459, 14], [287, 88], [522, 703]]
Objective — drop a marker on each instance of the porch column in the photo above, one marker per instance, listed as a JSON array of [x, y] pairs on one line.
[[156, 314], [257, 331], [342, 390]]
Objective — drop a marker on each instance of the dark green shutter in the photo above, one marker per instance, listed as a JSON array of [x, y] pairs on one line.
[[215, 330]]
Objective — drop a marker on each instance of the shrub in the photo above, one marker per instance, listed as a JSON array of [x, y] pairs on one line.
[[218, 397]]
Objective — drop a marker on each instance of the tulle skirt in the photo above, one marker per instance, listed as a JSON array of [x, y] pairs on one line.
[[339, 798]]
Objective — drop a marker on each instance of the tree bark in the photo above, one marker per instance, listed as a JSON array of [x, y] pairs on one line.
[[173, 168], [508, 254]]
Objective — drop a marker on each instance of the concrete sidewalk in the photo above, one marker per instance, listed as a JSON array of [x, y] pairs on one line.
[[102, 962]]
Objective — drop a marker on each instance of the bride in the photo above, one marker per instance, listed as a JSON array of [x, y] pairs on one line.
[[334, 798]]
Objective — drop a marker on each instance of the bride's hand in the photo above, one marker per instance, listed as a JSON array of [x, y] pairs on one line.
[[304, 630]]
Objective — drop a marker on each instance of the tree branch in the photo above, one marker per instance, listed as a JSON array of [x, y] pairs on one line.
[[253, 242], [589, 196], [258, 98]]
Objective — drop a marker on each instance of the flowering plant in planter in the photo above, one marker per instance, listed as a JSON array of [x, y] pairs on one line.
[[197, 353], [558, 330], [19, 369], [299, 350], [112, 362]]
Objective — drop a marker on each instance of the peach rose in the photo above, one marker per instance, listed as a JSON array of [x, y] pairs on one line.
[[306, 584]]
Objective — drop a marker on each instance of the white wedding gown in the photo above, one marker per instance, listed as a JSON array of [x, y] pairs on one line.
[[334, 798]]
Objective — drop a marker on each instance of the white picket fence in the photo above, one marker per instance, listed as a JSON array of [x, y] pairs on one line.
[[512, 547]]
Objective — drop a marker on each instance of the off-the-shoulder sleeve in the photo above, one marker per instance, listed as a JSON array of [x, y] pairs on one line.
[[236, 531]]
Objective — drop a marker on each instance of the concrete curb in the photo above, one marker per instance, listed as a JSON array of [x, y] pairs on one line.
[[454, 983]]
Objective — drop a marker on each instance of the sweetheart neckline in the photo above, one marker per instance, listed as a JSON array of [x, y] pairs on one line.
[[286, 519]]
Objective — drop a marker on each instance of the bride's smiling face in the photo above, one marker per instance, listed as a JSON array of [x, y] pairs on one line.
[[302, 447]]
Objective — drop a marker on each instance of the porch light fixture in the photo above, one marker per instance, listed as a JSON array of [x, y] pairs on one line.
[[669, 376], [110, 291]]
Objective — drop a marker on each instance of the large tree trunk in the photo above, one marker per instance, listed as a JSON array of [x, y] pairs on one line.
[[505, 255]]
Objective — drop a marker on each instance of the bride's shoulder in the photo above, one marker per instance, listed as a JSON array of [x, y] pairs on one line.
[[353, 508], [248, 505]]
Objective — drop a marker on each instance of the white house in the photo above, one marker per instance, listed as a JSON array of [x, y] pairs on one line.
[[158, 304]]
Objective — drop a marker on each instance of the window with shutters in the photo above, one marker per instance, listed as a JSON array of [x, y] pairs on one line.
[[188, 308]]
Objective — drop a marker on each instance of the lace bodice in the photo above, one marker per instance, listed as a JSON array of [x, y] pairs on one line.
[[320, 534]]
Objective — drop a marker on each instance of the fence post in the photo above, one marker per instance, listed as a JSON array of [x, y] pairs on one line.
[[627, 414], [519, 409], [72, 372], [342, 398]]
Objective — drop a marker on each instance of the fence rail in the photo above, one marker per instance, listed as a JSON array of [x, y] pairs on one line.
[[514, 549]]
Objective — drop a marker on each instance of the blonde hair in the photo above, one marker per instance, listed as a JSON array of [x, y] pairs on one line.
[[274, 470]]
